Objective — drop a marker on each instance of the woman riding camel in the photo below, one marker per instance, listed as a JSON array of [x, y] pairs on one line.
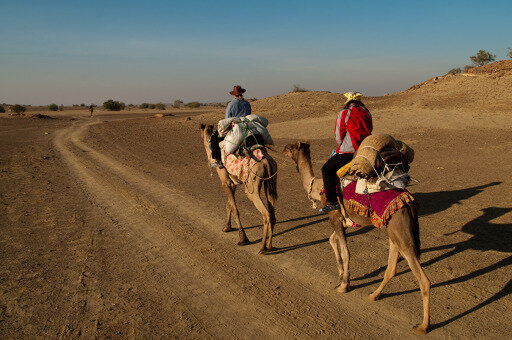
[[354, 123], [238, 107]]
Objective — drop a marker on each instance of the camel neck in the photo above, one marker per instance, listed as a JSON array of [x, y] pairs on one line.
[[305, 170]]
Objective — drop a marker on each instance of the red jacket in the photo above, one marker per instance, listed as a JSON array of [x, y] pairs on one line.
[[352, 126]]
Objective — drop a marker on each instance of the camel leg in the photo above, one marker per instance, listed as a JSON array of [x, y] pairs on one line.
[[402, 235], [258, 203], [272, 223], [333, 241], [341, 238], [231, 208], [389, 273]]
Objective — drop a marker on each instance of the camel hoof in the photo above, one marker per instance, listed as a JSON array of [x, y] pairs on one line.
[[244, 242], [342, 288], [228, 229], [263, 251], [372, 297], [421, 330]]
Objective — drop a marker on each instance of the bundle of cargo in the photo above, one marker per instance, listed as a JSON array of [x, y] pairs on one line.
[[236, 130], [383, 162]]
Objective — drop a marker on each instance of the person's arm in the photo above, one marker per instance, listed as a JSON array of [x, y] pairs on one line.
[[360, 126], [340, 128], [228, 110]]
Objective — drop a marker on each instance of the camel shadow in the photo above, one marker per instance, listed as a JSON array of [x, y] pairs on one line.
[[434, 202], [485, 236]]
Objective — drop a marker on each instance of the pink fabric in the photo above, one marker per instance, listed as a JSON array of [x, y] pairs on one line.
[[379, 206], [240, 166]]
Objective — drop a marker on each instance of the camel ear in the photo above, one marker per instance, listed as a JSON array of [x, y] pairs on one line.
[[299, 143], [288, 149], [202, 126]]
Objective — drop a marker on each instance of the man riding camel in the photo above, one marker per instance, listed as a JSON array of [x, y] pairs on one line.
[[238, 107], [354, 123]]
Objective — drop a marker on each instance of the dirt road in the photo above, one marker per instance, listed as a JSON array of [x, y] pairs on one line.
[[112, 227]]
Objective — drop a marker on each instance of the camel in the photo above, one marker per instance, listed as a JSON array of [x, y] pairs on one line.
[[402, 229], [262, 176]]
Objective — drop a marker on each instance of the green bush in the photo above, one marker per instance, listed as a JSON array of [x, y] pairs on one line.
[[143, 106], [2, 110], [160, 106], [82, 105], [113, 105], [468, 67], [152, 106], [482, 58], [177, 104], [193, 105], [53, 107], [455, 71], [19, 109]]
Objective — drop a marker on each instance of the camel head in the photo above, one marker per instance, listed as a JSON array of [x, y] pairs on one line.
[[299, 148], [206, 132]]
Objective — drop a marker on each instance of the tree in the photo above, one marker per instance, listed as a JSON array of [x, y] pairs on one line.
[[177, 104], [2, 110], [113, 105], [468, 67], [19, 109], [482, 58], [160, 106], [53, 107], [143, 106], [298, 88], [509, 54], [152, 106]]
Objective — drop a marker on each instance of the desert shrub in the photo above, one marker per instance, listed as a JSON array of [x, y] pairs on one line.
[[2, 110], [143, 106], [160, 106], [193, 105], [113, 105], [82, 105], [509, 54], [468, 67], [75, 105], [53, 107], [482, 58], [455, 71], [152, 106], [19, 109], [131, 105], [61, 107], [298, 88], [177, 104], [252, 99]]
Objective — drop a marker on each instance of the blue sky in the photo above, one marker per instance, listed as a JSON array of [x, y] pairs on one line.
[[71, 52]]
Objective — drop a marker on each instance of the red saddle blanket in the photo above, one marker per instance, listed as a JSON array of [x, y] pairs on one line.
[[240, 166], [380, 206]]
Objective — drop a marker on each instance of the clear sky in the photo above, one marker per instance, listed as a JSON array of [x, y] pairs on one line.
[[72, 52]]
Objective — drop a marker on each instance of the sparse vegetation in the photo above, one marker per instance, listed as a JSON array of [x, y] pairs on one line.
[[18, 109], [113, 105], [298, 88], [509, 54], [53, 107], [143, 106], [482, 58], [468, 67], [2, 110], [455, 70], [152, 106], [160, 106], [193, 105], [177, 104], [61, 107], [82, 105], [252, 99]]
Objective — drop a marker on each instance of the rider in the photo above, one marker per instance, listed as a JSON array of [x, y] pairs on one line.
[[238, 107], [354, 123]]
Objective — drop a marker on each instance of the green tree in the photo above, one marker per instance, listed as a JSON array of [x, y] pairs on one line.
[[482, 58], [53, 107], [455, 71], [143, 106], [160, 106], [113, 105]]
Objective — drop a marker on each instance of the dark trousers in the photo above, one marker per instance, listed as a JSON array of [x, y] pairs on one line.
[[215, 139], [329, 170]]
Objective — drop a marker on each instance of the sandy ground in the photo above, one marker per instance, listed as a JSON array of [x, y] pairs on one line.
[[111, 227]]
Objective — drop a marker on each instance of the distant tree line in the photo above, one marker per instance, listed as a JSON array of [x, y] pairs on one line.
[[481, 58]]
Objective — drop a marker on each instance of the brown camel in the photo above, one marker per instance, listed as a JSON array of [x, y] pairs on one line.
[[263, 175], [402, 229]]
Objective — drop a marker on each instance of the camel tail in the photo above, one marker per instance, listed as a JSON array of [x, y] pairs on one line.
[[271, 183], [413, 210]]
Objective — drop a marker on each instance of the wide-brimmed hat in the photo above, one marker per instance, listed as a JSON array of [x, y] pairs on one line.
[[353, 96], [237, 90]]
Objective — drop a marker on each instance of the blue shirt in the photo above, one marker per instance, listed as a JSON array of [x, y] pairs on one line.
[[238, 108]]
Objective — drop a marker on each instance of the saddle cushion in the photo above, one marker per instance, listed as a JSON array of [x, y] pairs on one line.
[[240, 166], [380, 206]]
